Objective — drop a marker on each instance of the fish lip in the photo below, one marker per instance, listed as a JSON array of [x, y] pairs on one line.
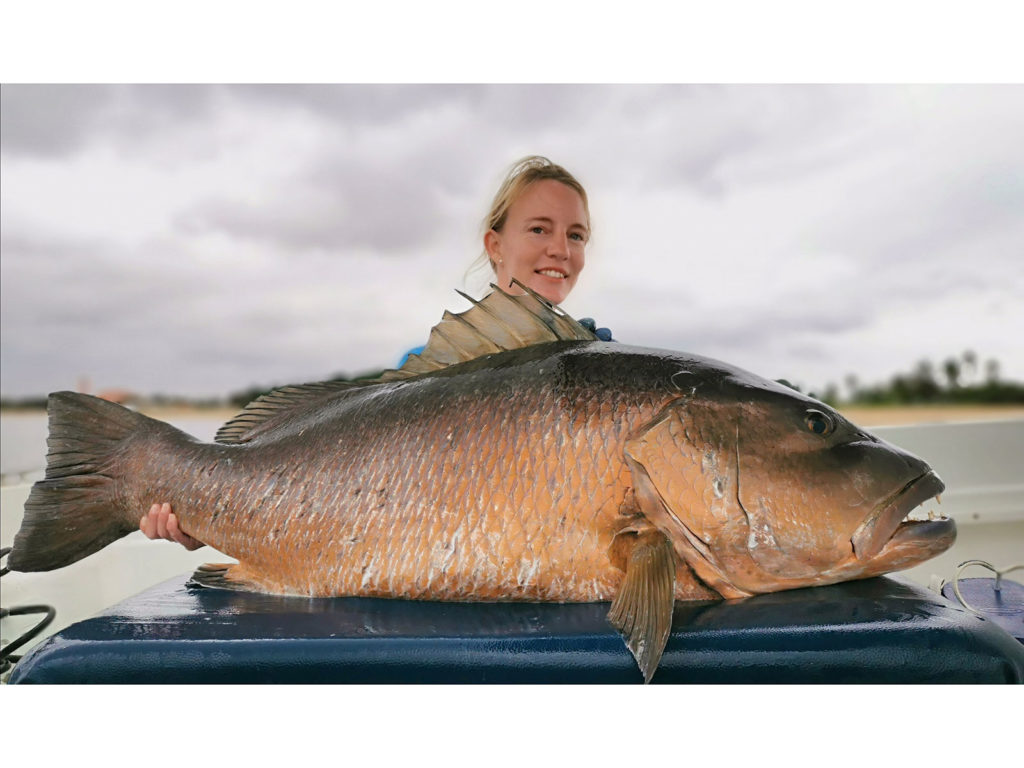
[[883, 523], [919, 529]]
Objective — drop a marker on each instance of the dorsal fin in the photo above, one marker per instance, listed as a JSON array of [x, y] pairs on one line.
[[496, 323], [258, 414]]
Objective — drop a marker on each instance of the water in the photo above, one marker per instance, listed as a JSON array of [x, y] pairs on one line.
[[23, 442]]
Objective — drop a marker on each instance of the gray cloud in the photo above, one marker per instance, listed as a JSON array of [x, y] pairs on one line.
[[358, 104], [512, 108], [732, 328], [50, 120], [353, 195], [59, 120], [695, 127], [719, 139], [339, 205]]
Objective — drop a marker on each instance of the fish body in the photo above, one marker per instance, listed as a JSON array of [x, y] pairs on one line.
[[565, 470]]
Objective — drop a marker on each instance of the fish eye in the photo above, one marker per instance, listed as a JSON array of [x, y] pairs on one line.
[[819, 423]]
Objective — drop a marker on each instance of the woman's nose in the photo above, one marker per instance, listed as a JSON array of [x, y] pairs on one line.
[[559, 246]]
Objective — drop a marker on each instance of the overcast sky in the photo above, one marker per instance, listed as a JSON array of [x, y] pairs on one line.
[[198, 240]]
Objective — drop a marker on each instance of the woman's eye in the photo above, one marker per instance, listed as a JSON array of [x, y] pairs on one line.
[[537, 230], [576, 236], [819, 423]]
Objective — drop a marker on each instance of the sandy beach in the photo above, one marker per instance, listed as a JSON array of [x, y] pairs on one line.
[[892, 415]]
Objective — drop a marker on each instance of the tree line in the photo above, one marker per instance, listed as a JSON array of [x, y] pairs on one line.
[[961, 379]]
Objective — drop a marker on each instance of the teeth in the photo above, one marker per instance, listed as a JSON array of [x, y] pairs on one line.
[[918, 515], [938, 498], [550, 273]]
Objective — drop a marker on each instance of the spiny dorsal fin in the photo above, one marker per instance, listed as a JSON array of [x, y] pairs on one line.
[[642, 611], [255, 417], [498, 322]]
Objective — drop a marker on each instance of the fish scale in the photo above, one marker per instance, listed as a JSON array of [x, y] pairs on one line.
[[511, 500]]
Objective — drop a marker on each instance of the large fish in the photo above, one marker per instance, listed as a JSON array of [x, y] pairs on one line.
[[517, 458]]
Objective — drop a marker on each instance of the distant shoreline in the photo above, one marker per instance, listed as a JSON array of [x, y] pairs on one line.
[[894, 415], [162, 412], [862, 415]]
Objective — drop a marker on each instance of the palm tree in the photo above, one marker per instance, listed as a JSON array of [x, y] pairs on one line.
[[992, 371], [970, 361], [852, 385], [952, 370]]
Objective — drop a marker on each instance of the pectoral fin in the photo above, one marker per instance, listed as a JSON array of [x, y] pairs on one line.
[[231, 576], [642, 611]]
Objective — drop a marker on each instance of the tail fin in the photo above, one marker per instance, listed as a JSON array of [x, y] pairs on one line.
[[73, 511]]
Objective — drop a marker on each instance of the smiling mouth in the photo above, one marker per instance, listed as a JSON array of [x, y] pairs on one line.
[[899, 514], [557, 274]]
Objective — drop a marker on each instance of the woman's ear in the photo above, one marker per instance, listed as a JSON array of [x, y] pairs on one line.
[[492, 243]]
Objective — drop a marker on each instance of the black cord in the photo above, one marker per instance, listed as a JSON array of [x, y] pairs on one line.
[[22, 610], [26, 610]]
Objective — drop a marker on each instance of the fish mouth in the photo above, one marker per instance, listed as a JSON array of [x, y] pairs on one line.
[[892, 520]]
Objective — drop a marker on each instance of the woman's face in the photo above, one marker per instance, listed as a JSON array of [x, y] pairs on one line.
[[541, 243]]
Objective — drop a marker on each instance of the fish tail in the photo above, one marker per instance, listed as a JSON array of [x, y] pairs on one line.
[[75, 511]]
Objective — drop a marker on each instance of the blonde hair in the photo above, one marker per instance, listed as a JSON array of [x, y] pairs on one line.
[[521, 175]]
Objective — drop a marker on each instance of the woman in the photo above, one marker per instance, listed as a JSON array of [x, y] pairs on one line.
[[537, 229], [536, 233]]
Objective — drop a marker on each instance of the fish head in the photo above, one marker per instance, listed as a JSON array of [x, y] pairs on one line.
[[761, 488]]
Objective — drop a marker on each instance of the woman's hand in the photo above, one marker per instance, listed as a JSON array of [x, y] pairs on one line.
[[161, 523]]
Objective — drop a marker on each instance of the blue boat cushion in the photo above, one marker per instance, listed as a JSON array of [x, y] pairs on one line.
[[883, 630], [1003, 606]]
